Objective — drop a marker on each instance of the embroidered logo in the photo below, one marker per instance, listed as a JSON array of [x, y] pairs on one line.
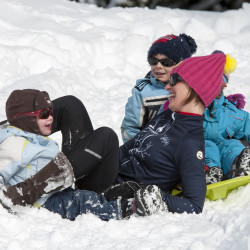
[[199, 155]]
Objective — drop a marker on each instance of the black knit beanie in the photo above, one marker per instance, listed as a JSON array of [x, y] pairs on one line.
[[176, 48], [26, 100]]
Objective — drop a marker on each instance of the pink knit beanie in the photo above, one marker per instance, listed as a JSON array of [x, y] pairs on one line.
[[203, 74]]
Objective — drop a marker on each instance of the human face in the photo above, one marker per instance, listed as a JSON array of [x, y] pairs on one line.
[[45, 125], [160, 72], [180, 93]]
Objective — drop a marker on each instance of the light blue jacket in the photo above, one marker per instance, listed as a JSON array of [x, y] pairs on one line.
[[223, 126], [147, 100], [23, 154]]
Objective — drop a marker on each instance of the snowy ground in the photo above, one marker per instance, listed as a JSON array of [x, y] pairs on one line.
[[95, 54]]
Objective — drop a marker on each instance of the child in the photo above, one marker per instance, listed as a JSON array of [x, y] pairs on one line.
[[149, 94], [30, 162], [226, 130]]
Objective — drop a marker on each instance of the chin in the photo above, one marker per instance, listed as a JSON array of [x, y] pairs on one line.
[[46, 133]]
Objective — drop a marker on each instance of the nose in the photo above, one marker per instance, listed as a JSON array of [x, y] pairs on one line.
[[158, 65], [168, 86]]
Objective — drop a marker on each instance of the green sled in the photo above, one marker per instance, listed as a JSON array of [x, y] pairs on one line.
[[221, 189]]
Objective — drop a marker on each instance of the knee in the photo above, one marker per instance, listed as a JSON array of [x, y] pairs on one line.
[[72, 101], [107, 134]]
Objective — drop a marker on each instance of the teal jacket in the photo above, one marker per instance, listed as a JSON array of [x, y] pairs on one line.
[[224, 125]]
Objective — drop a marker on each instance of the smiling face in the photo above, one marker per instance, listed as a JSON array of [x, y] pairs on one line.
[[180, 92], [45, 125], [160, 72]]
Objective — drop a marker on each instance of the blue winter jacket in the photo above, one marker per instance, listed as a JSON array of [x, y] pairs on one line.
[[167, 152], [147, 100], [23, 154], [223, 126]]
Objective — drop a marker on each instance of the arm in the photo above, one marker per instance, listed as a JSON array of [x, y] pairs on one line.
[[134, 112], [11, 150], [246, 127], [56, 175], [193, 182]]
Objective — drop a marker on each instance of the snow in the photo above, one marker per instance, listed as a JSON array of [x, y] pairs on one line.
[[97, 54]]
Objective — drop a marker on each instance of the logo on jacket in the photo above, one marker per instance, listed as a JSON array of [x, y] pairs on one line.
[[199, 155]]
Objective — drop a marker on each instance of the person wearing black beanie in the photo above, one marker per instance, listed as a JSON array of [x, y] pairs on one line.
[[149, 94]]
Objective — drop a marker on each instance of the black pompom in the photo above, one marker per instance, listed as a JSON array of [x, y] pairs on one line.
[[190, 41], [218, 51]]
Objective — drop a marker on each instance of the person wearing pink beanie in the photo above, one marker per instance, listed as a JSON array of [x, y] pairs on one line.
[[169, 151]]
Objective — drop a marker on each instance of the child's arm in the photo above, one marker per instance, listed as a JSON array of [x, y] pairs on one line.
[[134, 112], [11, 151], [246, 128]]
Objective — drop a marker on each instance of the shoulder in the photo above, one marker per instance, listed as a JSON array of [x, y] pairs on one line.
[[142, 84], [13, 147]]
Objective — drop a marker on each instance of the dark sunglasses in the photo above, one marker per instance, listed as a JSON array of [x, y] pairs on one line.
[[174, 79], [166, 62], [40, 114]]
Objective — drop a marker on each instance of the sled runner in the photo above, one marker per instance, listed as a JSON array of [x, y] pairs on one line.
[[221, 189]]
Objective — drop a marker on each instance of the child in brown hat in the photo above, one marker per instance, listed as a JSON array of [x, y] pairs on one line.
[[33, 169]]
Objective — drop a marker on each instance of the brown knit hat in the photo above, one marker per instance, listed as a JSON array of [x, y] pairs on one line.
[[26, 100]]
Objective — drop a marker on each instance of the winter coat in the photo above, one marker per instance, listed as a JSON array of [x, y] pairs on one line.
[[148, 97], [224, 125], [167, 152], [23, 154]]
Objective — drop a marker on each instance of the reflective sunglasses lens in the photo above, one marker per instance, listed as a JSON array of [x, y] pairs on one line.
[[44, 114], [167, 62], [152, 61], [172, 81]]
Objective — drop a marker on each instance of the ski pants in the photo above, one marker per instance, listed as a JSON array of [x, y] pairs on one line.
[[94, 154], [222, 155], [70, 203]]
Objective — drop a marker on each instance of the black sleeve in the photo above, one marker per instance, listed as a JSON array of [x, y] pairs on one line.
[[189, 157]]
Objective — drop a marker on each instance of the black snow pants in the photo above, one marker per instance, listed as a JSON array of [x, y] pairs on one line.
[[94, 154]]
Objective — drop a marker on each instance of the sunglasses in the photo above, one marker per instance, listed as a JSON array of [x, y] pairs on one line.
[[174, 79], [166, 62], [40, 114]]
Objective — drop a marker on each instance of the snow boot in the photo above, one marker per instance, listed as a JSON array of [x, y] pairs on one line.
[[243, 163], [213, 175], [56, 175]]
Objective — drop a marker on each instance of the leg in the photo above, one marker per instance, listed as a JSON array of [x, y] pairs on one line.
[[72, 119], [229, 151], [95, 160], [213, 169], [212, 154], [70, 203]]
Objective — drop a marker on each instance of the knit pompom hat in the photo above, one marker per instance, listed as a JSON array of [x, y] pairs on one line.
[[204, 74], [176, 48], [26, 100]]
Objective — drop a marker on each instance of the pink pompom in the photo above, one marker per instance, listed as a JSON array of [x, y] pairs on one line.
[[237, 99]]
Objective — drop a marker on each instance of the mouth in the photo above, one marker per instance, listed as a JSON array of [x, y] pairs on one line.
[[170, 96], [159, 74], [48, 126]]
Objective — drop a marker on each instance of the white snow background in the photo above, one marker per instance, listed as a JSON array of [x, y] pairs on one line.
[[97, 54]]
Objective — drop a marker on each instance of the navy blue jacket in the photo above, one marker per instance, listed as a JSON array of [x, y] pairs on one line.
[[167, 152]]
